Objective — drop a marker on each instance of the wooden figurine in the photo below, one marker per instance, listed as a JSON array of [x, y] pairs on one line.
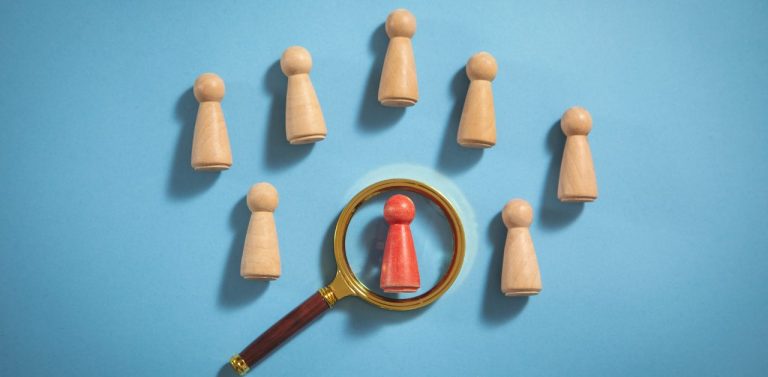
[[261, 254], [210, 143], [577, 172], [304, 121], [399, 268], [398, 86], [477, 128], [520, 270]]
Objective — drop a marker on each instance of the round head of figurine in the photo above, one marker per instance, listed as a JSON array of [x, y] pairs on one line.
[[400, 23], [295, 60], [209, 87], [482, 66], [399, 209], [517, 213], [262, 197], [576, 121]]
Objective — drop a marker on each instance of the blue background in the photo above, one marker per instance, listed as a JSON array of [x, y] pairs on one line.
[[116, 257]]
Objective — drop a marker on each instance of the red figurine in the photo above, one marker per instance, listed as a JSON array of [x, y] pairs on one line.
[[399, 269]]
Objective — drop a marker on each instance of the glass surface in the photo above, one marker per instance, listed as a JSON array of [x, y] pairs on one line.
[[367, 236]]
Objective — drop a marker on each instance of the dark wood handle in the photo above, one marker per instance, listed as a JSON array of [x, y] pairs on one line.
[[284, 329]]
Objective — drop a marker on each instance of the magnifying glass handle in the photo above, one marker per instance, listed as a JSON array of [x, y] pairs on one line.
[[281, 331]]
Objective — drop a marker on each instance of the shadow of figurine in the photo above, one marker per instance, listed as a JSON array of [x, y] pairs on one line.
[[372, 262], [553, 213], [371, 241], [236, 291], [374, 237], [279, 154], [453, 157], [373, 116], [184, 181], [498, 308]]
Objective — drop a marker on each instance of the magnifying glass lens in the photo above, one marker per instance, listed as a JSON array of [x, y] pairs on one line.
[[367, 237]]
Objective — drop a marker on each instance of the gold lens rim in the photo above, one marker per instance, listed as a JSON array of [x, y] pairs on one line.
[[357, 287]]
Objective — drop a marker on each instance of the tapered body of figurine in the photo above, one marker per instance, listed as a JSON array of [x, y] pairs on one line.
[[304, 121], [210, 143], [520, 274], [477, 128], [399, 268], [577, 171], [261, 253], [398, 86]]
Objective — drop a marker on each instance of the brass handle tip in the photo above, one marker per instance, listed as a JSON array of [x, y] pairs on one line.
[[239, 365], [328, 296]]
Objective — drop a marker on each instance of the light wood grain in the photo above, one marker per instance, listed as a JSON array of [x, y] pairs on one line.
[[304, 122], [398, 86], [477, 127], [261, 253], [577, 172], [520, 274], [210, 143]]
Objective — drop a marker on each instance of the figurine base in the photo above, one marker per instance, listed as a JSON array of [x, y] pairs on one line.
[[475, 144], [522, 292], [577, 199], [398, 102], [212, 167], [260, 277], [307, 139], [400, 289]]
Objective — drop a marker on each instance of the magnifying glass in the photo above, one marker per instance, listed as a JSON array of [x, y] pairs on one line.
[[346, 283]]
